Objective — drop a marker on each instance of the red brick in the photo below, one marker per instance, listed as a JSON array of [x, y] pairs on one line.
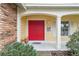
[[8, 20]]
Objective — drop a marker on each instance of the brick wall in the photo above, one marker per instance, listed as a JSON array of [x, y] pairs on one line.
[[8, 20]]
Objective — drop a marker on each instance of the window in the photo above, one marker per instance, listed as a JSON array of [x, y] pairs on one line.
[[64, 28]]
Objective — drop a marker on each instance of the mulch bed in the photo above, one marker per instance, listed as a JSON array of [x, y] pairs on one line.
[[61, 53]]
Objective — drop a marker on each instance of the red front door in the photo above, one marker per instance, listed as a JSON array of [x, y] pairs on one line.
[[36, 30]]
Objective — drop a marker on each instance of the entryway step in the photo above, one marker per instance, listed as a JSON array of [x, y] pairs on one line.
[[36, 43], [54, 53], [44, 53]]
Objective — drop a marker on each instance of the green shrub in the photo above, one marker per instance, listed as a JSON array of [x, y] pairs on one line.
[[73, 44], [18, 49]]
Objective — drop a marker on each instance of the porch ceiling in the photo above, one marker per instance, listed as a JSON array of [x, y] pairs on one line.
[[71, 16]]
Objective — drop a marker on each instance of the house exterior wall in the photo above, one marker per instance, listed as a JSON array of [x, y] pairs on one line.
[[73, 25], [24, 28], [59, 12], [50, 21], [8, 19]]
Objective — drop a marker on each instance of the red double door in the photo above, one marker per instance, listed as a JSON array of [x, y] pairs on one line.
[[36, 30]]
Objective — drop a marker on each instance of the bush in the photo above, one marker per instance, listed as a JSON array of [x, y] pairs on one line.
[[73, 44], [18, 49]]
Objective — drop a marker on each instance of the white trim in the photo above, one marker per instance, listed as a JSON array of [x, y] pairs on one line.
[[18, 27], [44, 30], [52, 49], [51, 12], [58, 33]]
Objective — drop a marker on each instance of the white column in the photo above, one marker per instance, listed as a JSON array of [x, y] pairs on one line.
[[18, 26], [58, 33]]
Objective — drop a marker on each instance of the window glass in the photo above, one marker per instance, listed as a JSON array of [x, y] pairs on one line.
[[64, 28]]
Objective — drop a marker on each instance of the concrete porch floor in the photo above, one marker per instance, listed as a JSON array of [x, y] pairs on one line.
[[45, 48]]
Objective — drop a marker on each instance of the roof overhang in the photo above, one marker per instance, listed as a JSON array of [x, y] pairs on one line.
[[56, 5], [26, 5]]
